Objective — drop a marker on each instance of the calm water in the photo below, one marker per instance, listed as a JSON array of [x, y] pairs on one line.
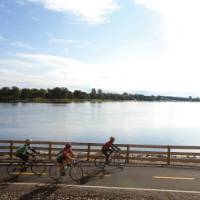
[[129, 122]]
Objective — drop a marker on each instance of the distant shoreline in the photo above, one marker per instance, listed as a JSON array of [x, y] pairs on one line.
[[85, 101], [63, 95]]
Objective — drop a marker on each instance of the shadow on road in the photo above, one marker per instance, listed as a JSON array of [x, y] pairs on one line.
[[42, 192], [99, 173], [6, 182]]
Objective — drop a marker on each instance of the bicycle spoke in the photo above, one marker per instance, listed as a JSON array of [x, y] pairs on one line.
[[76, 172], [54, 172], [14, 170], [38, 168]]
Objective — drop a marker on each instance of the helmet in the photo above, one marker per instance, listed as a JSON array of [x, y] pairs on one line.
[[28, 140], [112, 138], [68, 145]]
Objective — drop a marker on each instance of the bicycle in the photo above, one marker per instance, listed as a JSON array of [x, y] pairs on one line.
[[75, 171], [16, 169], [116, 158]]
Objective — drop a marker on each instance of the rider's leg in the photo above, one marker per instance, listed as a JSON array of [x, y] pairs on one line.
[[105, 152], [61, 165], [68, 161], [24, 159], [62, 168]]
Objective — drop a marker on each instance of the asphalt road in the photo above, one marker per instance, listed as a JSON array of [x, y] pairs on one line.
[[130, 177]]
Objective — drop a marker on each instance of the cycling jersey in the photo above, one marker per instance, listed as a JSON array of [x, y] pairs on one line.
[[107, 145], [64, 153], [24, 150]]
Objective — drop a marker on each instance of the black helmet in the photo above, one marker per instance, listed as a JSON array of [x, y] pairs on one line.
[[68, 145], [112, 138]]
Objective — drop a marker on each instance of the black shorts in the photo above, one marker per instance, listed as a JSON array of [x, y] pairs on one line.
[[106, 152], [60, 160], [23, 157]]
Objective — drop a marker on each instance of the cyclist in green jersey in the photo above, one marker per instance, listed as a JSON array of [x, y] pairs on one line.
[[26, 151]]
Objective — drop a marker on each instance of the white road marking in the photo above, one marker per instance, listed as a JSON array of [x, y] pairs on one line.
[[111, 188], [27, 173], [173, 178]]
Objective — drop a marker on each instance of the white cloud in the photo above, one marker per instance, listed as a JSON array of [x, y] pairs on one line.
[[92, 11], [15, 64], [61, 70], [174, 70], [177, 67], [70, 42], [43, 70], [21, 44], [62, 40]]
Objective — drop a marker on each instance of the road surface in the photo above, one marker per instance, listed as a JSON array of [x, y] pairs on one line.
[[130, 177]]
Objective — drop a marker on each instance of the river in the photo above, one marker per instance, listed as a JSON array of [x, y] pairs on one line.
[[130, 122]]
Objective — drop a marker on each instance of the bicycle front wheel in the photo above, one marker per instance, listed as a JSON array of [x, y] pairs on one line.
[[119, 161], [14, 170], [38, 168], [76, 172], [54, 172]]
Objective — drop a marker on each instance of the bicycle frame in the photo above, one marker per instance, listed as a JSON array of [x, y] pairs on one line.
[[75, 171], [113, 154]]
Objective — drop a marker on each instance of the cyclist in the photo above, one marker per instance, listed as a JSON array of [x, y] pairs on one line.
[[66, 156], [108, 148], [26, 151]]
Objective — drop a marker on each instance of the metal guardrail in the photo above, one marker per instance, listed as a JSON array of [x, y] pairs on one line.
[[164, 154]]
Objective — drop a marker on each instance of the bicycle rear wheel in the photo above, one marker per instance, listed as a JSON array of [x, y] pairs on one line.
[[38, 168], [76, 172], [14, 170], [54, 172], [100, 161]]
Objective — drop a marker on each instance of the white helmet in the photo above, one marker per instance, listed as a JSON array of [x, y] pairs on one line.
[[28, 140]]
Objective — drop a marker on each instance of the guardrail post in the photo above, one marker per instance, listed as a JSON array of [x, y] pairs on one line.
[[127, 154], [168, 155], [11, 149], [50, 149], [88, 152]]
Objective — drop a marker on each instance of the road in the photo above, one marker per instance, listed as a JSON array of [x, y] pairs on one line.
[[131, 177]]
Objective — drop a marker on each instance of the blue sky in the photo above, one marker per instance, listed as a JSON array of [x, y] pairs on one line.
[[128, 45]]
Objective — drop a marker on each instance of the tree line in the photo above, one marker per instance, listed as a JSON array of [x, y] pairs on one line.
[[10, 94]]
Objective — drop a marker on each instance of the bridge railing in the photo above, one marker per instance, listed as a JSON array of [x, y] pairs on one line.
[[134, 153]]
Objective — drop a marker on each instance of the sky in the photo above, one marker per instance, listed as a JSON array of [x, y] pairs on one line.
[[147, 46]]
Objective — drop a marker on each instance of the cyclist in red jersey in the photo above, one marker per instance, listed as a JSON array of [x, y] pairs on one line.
[[66, 156], [109, 147]]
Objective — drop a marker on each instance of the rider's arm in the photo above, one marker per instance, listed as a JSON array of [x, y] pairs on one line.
[[73, 155], [69, 155], [32, 150], [115, 148]]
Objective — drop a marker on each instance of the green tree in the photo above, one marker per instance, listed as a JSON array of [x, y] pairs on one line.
[[78, 94], [25, 93], [5, 93], [93, 94], [15, 92]]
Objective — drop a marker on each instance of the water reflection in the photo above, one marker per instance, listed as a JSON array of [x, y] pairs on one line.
[[130, 122]]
